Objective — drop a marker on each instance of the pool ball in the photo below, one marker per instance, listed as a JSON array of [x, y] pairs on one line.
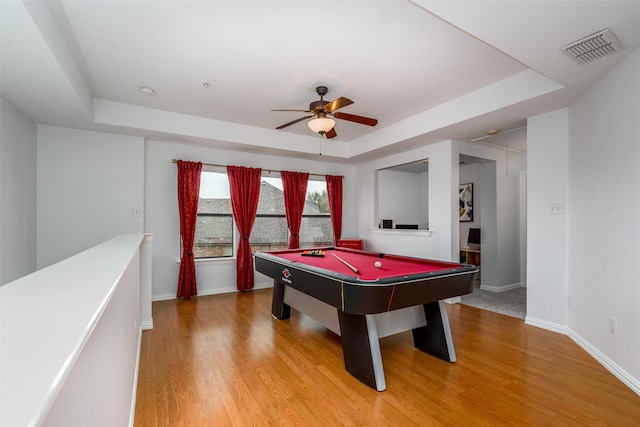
[[378, 264]]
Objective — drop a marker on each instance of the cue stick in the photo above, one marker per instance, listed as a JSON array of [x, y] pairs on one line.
[[355, 270]]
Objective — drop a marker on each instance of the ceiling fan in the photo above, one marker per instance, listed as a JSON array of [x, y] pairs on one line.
[[321, 109]]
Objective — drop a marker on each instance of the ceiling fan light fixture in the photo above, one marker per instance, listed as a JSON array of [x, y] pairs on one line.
[[321, 125]]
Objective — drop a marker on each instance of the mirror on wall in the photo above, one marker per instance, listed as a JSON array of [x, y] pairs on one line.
[[402, 196]]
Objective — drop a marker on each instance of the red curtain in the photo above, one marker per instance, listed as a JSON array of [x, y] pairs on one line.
[[188, 197], [334, 192], [245, 191], [294, 185]]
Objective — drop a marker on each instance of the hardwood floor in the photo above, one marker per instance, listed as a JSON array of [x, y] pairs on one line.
[[223, 360]]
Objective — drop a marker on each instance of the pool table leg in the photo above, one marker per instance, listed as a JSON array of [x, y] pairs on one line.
[[361, 349], [279, 309], [435, 338]]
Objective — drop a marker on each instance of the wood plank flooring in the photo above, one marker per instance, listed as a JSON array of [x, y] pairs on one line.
[[222, 360]]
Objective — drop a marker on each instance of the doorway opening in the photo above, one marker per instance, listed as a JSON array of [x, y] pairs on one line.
[[499, 287]]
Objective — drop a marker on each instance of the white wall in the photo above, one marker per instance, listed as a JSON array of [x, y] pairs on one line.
[[70, 339], [398, 197], [161, 211], [17, 193], [508, 218], [604, 218], [88, 184], [499, 181], [423, 201], [100, 388], [547, 172], [471, 173], [442, 205]]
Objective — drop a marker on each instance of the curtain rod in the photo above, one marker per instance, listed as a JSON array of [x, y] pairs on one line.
[[267, 170]]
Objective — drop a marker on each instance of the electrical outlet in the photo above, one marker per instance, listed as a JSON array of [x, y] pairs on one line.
[[613, 325], [134, 212]]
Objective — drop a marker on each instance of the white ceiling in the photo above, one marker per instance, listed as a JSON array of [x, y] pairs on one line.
[[427, 70]]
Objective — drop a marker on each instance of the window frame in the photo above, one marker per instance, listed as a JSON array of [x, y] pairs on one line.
[[234, 230]]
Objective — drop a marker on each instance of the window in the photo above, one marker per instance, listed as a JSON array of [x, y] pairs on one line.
[[215, 229], [316, 229], [216, 234], [270, 231]]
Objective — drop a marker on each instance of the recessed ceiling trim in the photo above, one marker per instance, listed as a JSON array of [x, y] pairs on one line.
[[593, 47]]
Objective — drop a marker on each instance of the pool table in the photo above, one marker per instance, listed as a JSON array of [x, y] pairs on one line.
[[344, 290]]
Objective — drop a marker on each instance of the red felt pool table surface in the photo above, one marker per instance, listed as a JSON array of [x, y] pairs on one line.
[[392, 265]]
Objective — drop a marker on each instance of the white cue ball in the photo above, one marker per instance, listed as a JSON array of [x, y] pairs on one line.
[[378, 264]]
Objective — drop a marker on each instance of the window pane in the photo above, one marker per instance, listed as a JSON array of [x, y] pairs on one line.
[[270, 230], [214, 227], [269, 234], [214, 236], [316, 229]]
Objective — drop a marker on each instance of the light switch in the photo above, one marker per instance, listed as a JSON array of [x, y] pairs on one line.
[[556, 208]]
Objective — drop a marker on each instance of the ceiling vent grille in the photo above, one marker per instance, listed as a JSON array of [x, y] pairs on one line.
[[593, 47]]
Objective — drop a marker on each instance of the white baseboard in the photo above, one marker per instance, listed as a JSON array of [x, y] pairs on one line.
[[163, 297], [501, 288], [543, 324], [146, 325], [216, 291], [617, 371], [611, 366]]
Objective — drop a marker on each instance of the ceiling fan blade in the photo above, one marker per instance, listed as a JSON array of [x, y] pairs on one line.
[[337, 104], [304, 111], [358, 119], [331, 134], [293, 122]]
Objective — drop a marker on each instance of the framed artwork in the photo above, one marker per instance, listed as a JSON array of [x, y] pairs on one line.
[[466, 203]]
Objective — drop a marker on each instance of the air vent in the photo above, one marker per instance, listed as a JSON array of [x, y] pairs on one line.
[[593, 47]]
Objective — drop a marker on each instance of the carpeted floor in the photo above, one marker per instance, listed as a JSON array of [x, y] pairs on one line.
[[511, 303]]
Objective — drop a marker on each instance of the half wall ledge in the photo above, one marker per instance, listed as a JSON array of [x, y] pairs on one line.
[[64, 327]]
